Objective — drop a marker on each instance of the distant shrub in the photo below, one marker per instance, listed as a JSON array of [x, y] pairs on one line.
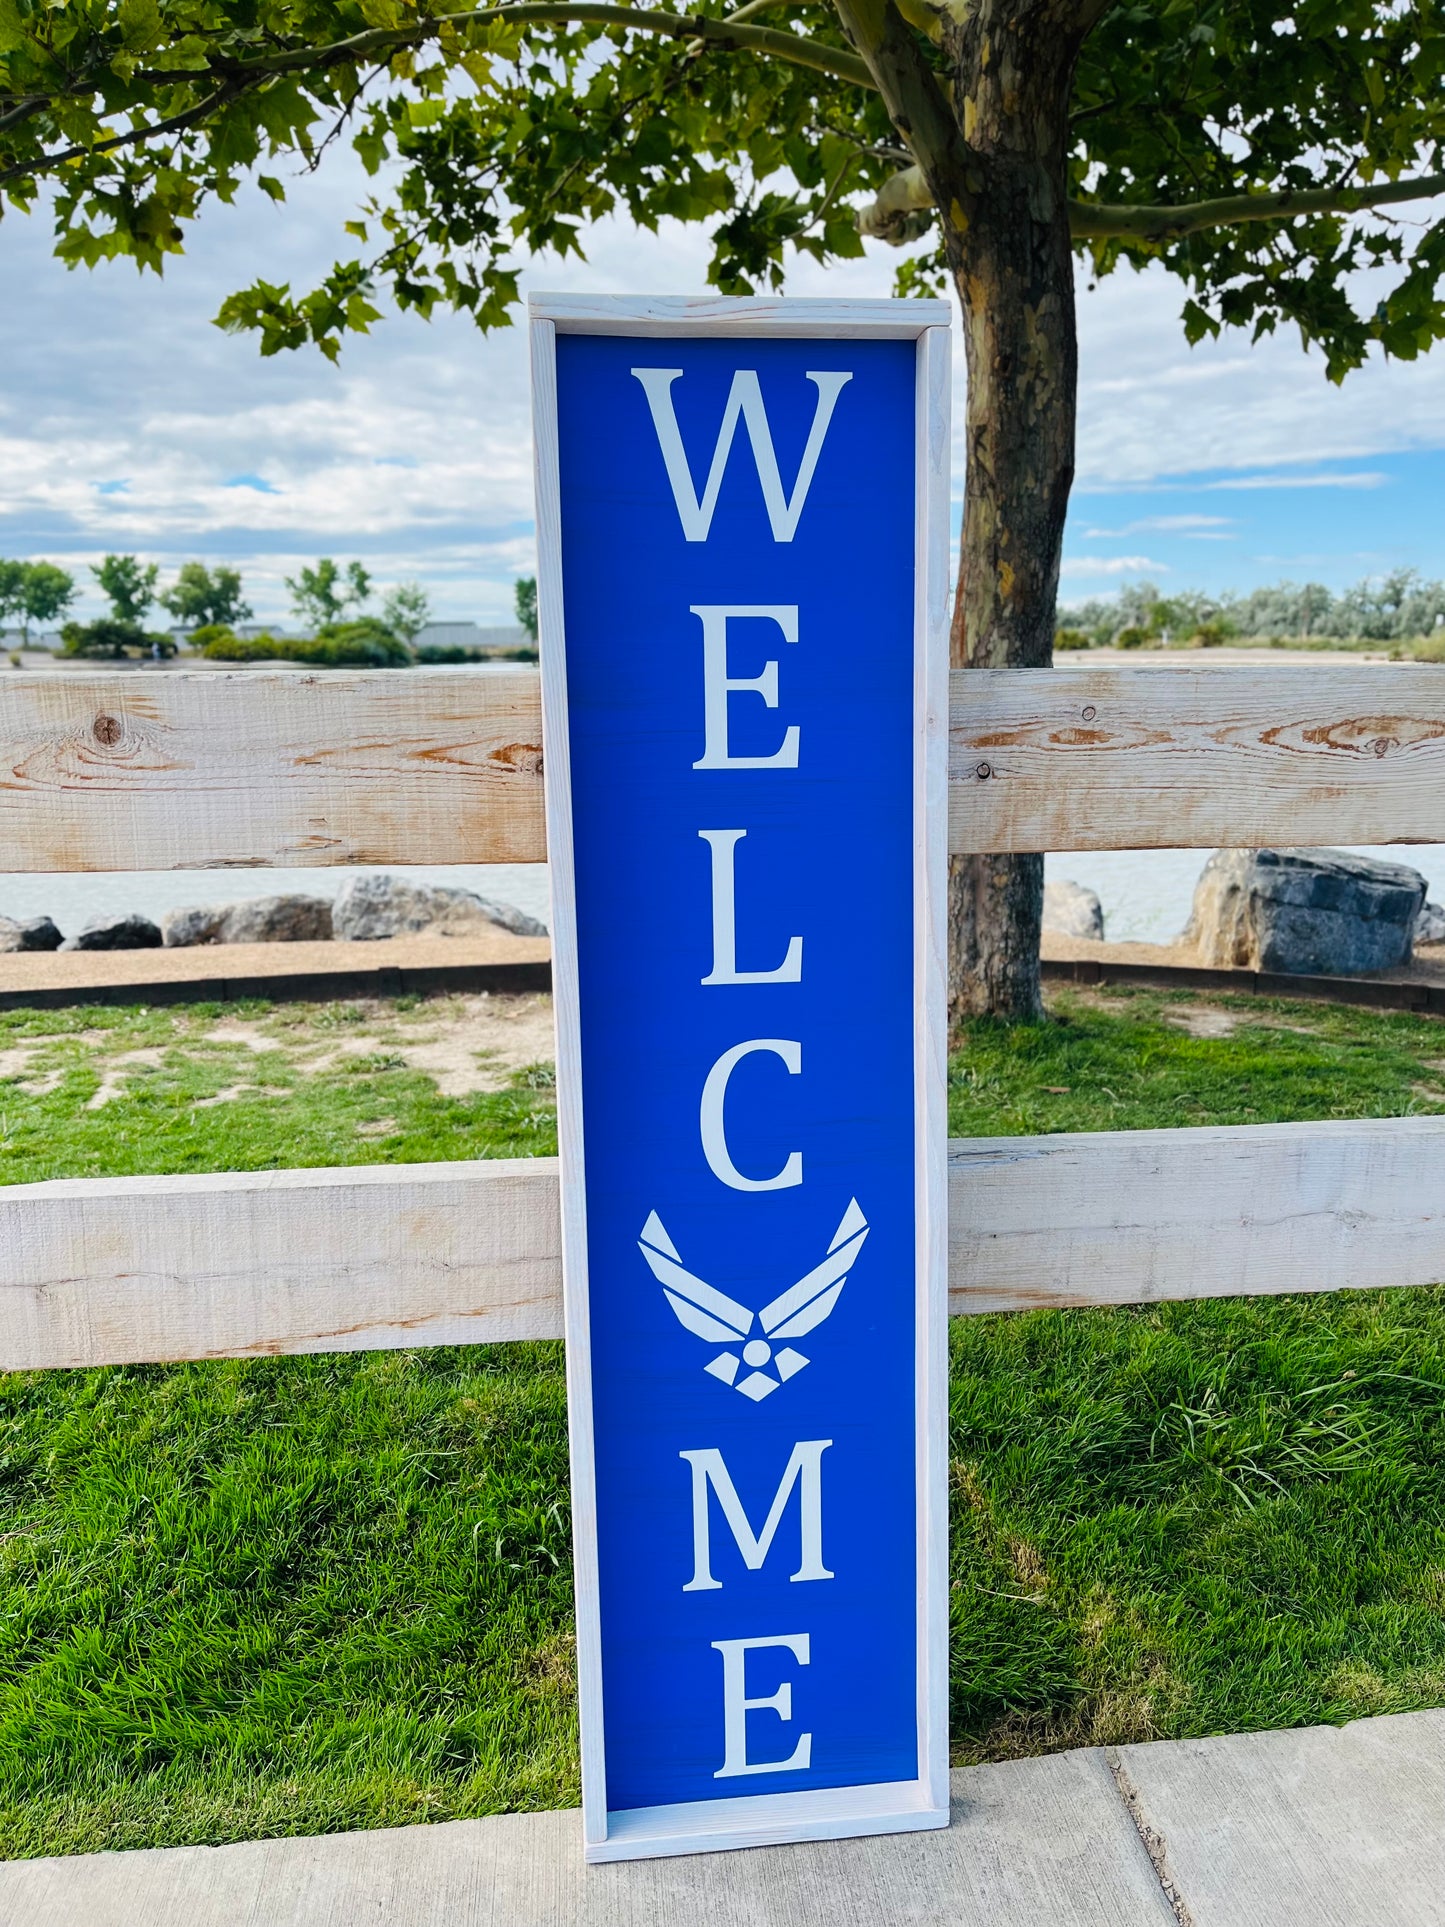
[[364, 644], [224, 645], [1071, 639], [1209, 635], [1131, 637], [438, 654], [1430, 648], [113, 636], [199, 640]]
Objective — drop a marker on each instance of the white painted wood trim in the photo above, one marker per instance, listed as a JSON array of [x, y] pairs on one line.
[[1192, 757], [930, 1006], [552, 630], [97, 1271], [737, 316], [769, 1819]]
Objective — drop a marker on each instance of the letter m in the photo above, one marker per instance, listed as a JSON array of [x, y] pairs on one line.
[[745, 402], [804, 1470]]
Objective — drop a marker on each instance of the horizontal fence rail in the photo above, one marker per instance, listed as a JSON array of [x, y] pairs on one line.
[[123, 1270], [181, 770], [1182, 758], [196, 769]]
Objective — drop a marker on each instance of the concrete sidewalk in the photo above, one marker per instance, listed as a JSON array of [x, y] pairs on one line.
[[1326, 1827]]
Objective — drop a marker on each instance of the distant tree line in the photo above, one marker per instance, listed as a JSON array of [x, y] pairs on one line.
[[1401, 606], [332, 600]]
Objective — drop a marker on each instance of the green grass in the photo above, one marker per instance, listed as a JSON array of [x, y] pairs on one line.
[[289, 1595]]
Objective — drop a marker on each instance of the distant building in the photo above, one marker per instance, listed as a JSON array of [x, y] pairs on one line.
[[15, 639], [470, 635]]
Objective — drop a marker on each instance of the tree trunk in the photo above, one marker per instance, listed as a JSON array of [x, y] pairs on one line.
[[1013, 267], [992, 142]]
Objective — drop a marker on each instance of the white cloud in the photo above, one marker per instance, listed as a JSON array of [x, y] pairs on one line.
[[1365, 479], [1196, 527], [127, 421], [1112, 565]]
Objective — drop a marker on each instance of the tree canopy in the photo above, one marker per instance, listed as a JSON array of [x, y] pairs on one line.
[[200, 596], [34, 591], [129, 583], [323, 594], [1258, 152]]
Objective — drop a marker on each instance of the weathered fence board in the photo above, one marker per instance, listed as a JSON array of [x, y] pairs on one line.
[[201, 769], [1188, 758], [113, 1270], [194, 769], [110, 1270]]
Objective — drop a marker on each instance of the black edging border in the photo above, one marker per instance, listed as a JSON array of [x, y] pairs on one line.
[[1374, 994], [295, 987], [530, 978]]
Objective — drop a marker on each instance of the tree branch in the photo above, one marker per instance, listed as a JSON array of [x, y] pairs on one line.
[[893, 215], [1091, 221], [175, 124], [794, 48], [914, 96], [243, 76]]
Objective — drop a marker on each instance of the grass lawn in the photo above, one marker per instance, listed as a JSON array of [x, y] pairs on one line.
[[288, 1595]]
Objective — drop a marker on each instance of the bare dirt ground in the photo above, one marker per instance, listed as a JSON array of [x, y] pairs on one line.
[[76, 969]]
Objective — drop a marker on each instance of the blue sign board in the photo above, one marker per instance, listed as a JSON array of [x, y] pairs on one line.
[[743, 537]]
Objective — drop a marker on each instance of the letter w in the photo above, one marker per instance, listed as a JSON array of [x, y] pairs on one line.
[[745, 399], [804, 1467]]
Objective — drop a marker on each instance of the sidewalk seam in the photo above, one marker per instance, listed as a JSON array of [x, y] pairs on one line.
[[1151, 1840]]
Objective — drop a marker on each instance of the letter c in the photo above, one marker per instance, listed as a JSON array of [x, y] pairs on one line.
[[714, 1136]]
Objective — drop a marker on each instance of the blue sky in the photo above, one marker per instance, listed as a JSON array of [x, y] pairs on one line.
[[128, 422], [1218, 529]]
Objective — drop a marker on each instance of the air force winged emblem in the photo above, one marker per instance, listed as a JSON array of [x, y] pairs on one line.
[[712, 1315]]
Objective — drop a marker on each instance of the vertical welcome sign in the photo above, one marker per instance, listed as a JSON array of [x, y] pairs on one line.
[[743, 538]]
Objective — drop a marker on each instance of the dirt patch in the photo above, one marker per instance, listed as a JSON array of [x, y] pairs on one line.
[[1203, 1020], [233, 1091], [117, 1070], [463, 1043]]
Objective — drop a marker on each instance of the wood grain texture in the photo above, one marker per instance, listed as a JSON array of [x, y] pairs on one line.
[[1133, 1217], [100, 1271], [119, 1270], [199, 769], [1193, 758], [737, 316], [195, 769]]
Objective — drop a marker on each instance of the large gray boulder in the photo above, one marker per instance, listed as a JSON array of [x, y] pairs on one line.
[[182, 929], [31, 933], [370, 909], [1305, 912], [128, 932], [293, 918], [1072, 911], [1430, 924]]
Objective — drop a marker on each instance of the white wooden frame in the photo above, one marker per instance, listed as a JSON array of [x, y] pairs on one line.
[[834, 1813]]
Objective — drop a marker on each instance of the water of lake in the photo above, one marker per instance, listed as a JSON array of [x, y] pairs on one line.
[[1145, 893]]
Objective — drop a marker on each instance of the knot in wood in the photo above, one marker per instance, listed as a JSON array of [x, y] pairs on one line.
[[984, 771], [1089, 712], [1382, 744], [107, 730]]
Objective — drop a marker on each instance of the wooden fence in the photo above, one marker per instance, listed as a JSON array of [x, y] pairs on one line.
[[205, 770]]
